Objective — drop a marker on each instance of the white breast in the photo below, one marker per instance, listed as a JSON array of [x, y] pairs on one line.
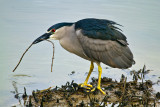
[[71, 43]]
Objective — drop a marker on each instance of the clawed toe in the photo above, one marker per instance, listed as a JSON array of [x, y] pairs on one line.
[[87, 86], [94, 89]]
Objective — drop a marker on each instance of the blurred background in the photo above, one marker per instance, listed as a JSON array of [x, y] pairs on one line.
[[22, 21]]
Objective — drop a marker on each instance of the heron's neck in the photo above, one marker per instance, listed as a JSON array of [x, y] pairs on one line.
[[67, 37], [64, 32]]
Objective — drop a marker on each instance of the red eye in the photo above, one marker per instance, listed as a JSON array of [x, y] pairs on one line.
[[53, 30]]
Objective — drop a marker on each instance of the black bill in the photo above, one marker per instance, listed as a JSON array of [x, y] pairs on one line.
[[41, 38]]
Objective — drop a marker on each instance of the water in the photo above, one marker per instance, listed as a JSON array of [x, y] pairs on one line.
[[22, 21]]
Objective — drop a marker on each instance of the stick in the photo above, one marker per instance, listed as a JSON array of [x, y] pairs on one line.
[[28, 49], [22, 58], [53, 53], [121, 99]]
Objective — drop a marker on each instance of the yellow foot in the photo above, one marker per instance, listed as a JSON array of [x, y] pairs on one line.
[[87, 86], [99, 90]]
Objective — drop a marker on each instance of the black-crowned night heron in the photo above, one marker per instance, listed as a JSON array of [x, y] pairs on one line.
[[96, 40]]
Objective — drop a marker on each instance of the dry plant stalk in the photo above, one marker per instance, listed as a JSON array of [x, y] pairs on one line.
[[53, 53], [28, 49]]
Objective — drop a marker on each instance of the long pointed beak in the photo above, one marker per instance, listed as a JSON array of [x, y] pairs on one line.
[[41, 38]]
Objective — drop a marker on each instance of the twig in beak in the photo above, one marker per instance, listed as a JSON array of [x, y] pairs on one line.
[[22, 58], [53, 53], [28, 49]]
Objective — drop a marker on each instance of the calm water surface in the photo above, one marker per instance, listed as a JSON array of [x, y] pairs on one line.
[[22, 21]]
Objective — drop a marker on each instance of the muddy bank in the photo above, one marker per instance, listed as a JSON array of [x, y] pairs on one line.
[[137, 93]]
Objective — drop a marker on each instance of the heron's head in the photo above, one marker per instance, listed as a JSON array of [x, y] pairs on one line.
[[53, 32]]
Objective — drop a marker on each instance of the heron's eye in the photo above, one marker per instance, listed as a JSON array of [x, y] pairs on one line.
[[53, 30]]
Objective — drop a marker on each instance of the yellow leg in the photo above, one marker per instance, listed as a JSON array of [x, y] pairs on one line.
[[90, 71], [99, 80]]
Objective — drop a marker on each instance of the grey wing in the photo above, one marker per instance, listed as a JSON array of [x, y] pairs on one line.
[[108, 52]]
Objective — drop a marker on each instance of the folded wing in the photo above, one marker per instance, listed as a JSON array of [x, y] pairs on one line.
[[109, 52]]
